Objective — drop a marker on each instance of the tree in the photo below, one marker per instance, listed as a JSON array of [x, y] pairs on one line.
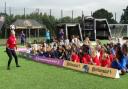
[[102, 13], [66, 19], [124, 16], [77, 19], [8, 20]]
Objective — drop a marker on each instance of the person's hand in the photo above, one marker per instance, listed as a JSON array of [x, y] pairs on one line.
[[16, 48]]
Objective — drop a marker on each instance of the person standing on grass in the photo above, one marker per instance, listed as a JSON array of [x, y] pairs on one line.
[[10, 49], [47, 36], [61, 34], [22, 38]]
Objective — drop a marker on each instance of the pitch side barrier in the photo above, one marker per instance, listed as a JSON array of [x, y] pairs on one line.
[[92, 69]]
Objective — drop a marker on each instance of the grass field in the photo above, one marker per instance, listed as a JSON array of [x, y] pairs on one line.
[[32, 75]]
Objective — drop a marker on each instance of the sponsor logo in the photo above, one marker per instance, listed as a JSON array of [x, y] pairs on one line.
[[73, 64], [48, 60], [101, 70], [85, 68]]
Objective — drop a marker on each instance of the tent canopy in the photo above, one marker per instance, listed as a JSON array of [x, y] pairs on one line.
[[27, 24]]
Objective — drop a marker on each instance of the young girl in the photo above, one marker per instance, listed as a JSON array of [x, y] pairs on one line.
[[120, 61], [10, 49], [95, 58], [35, 47], [125, 53], [87, 41], [104, 58], [42, 49], [28, 47], [86, 59], [66, 41], [75, 57]]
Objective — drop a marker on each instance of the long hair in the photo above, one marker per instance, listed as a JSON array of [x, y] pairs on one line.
[[119, 53], [125, 49]]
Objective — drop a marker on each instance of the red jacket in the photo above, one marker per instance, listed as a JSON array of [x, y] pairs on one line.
[[96, 60], [84, 60], [106, 62], [11, 42], [111, 57], [75, 58], [87, 57]]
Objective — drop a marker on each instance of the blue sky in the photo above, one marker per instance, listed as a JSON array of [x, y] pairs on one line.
[[114, 6]]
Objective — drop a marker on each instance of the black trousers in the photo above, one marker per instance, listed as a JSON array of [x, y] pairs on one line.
[[11, 53], [22, 42]]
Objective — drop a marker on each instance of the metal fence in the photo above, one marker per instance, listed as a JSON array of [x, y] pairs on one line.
[[119, 30], [58, 13]]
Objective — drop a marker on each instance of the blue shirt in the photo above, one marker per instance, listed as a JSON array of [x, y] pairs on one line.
[[126, 58], [48, 35], [121, 64], [22, 36]]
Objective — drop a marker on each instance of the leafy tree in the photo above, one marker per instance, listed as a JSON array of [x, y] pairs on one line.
[[102, 13], [124, 16], [66, 19], [77, 19], [8, 20]]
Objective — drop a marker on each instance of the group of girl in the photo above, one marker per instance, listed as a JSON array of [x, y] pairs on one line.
[[108, 55]]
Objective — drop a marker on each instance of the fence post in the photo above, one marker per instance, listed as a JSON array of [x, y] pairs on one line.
[[127, 30], [29, 35], [38, 34]]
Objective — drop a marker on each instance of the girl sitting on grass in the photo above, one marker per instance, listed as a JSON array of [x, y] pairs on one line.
[[35, 47], [75, 57], [120, 61], [104, 57], [95, 58], [28, 47], [86, 59]]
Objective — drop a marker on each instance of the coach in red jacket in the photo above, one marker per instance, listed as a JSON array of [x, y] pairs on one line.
[[10, 49]]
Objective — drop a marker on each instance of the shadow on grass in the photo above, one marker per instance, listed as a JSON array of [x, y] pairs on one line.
[[4, 68]]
